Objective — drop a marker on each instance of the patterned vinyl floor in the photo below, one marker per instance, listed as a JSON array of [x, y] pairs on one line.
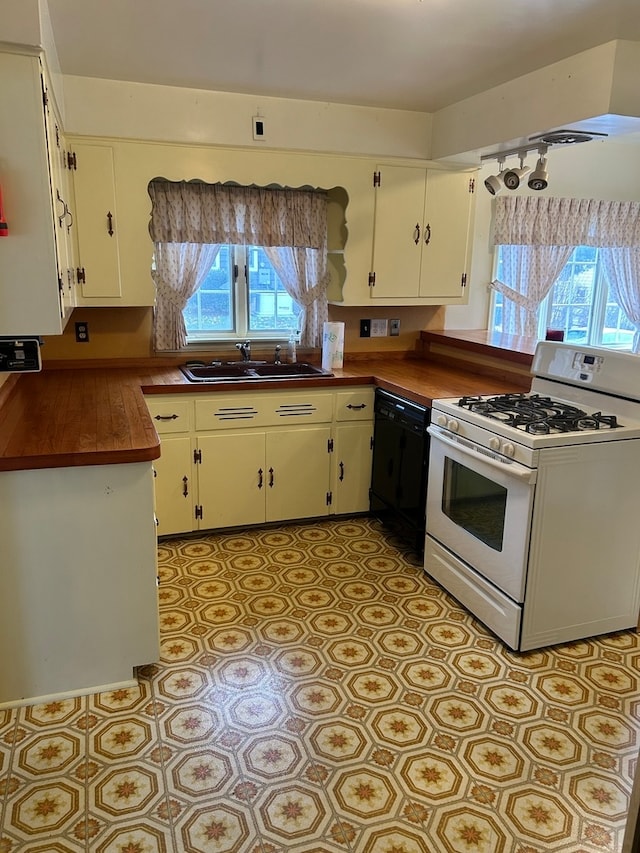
[[317, 693]]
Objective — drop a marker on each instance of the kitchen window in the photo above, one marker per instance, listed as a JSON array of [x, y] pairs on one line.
[[241, 295], [569, 264], [232, 261], [580, 303]]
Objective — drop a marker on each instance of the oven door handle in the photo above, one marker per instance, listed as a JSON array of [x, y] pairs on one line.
[[468, 448]]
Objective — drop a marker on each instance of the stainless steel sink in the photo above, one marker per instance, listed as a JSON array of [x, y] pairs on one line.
[[244, 371]]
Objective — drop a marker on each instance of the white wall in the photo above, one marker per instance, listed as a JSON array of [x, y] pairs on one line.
[[170, 114], [601, 170]]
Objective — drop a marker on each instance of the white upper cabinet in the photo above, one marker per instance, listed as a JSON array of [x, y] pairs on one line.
[[421, 235], [36, 295]]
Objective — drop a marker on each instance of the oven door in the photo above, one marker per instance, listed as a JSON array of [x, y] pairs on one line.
[[479, 507]]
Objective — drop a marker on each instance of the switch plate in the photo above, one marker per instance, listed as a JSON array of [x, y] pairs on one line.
[[394, 327], [82, 333], [365, 328], [379, 328]]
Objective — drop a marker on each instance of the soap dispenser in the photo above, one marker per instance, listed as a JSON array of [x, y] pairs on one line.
[[292, 347]]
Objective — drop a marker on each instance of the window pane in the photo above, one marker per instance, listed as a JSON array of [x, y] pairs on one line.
[[270, 306], [617, 330], [572, 295], [210, 309]]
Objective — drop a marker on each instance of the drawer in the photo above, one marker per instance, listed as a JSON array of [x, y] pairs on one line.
[[485, 602], [240, 411], [170, 414], [355, 405]]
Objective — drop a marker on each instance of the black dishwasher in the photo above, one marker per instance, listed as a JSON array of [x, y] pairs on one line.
[[400, 465]]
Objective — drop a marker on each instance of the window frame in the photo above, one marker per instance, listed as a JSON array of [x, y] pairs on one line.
[[597, 308], [240, 294]]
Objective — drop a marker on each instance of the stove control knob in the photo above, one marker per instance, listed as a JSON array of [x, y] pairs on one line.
[[494, 443], [508, 449], [453, 425], [441, 420]]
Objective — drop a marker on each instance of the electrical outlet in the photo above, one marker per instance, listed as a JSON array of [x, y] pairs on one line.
[[258, 127], [365, 328], [394, 327], [379, 328], [82, 333]]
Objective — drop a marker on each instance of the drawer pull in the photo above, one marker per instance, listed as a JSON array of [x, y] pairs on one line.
[[260, 478], [185, 487], [270, 478], [341, 477], [166, 417], [359, 406]]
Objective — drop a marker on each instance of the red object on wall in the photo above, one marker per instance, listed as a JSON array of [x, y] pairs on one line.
[[4, 228]]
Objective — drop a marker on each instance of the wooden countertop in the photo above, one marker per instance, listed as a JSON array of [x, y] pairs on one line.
[[97, 416]]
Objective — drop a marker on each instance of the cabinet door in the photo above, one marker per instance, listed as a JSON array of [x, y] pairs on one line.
[[232, 479], [352, 452], [298, 473], [98, 223], [397, 241], [174, 486], [445, 236], [29, 294]]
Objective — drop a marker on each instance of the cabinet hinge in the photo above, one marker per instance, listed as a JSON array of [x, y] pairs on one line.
[[371, 443], [197, 457], [199, 511], [80, 275], [463, 280], [372, 279], [472, 185], [45, 97], [376, 179], [329, 498], [330, 445], [60, 284], [71, 160]]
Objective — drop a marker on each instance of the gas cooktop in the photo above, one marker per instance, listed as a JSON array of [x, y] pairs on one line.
[[537, 414]]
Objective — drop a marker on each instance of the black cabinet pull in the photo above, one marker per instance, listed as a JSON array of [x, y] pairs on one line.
[[416, 234], [110, 224], [185, 487], [270, 478], [427, 234], [259, 478], [166, 417], [341, 477], [359, 406]]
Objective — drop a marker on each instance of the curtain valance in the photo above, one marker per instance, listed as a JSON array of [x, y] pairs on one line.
[[543, 221], [196, 212]]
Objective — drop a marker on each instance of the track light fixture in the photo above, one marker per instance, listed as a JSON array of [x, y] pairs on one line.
[[512, 178], [495, 184]]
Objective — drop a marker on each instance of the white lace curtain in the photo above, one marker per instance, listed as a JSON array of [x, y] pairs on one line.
[[538, 234], [191, 220]]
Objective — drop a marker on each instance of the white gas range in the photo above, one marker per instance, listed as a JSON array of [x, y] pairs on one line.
[[533, 503]]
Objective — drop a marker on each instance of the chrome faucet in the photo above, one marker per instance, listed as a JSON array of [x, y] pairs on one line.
[[276, 357], [245, 350]]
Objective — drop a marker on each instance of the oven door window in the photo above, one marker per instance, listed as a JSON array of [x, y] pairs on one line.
[[475, 503]]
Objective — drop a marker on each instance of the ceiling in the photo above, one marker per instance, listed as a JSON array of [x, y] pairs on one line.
[[406, 54]]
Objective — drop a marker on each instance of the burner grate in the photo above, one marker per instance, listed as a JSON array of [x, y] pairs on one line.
[[536, 414]]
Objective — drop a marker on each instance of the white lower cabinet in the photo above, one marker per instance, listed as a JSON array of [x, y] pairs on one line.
[[234, 459], [252, 477], [175, 486], [353, 448]]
